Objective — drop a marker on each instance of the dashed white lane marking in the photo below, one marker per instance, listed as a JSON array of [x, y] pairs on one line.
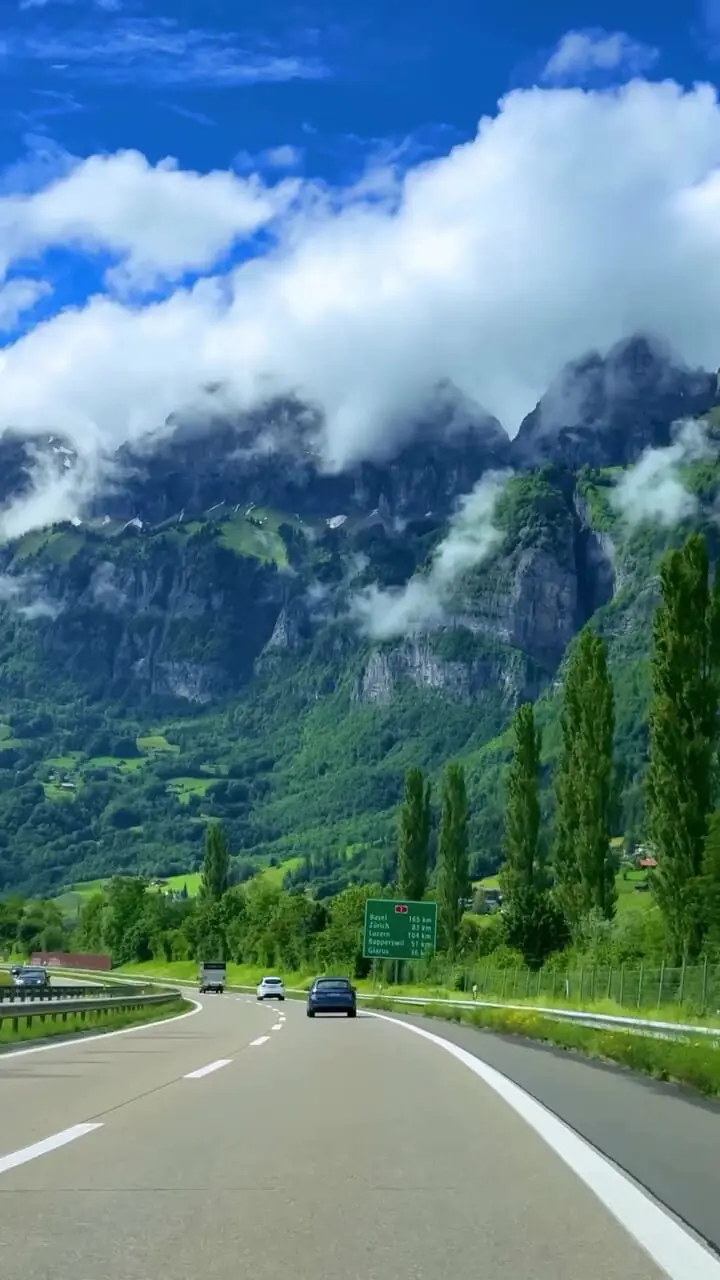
[[277, 1027], [46, 1145], [260, 1040], [205, 1071], [679, 1254]]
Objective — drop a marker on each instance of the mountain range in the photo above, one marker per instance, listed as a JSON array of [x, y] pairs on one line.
[[228, 627]]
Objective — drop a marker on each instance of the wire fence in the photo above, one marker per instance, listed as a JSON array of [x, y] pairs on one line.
[[693, 987]]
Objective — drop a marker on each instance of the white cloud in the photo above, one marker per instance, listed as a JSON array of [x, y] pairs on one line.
[[161, 220], [110, 6], [572, 220], [17, 297], [283, 157], [158, 51], [24, 595], [57, 493], [654, 488], [423, 603], [580, 53]]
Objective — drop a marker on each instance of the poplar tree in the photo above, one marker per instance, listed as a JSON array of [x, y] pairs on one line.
[[216, 865], [683, 729], [453, 876], [584, 786], [532, 923], [414, 837]]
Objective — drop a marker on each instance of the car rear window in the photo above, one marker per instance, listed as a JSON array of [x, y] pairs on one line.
[[332, 984], [272, 982]]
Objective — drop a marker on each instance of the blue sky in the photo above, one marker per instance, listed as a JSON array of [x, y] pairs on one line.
[[332, 220], [203, 80]]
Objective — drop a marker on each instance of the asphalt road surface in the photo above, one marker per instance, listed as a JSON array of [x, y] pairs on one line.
[[246, 1140]]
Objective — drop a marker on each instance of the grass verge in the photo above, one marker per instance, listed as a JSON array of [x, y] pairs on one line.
[[95, 1022], [689, 1062]]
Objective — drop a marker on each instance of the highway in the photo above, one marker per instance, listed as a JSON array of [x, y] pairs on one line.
[[247, 1140]]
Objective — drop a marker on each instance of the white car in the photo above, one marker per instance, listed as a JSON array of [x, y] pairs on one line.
[[271, 989]]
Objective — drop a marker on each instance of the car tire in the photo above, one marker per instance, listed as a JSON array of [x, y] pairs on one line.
[[352, 1013], [281, 997], [311, 1013]]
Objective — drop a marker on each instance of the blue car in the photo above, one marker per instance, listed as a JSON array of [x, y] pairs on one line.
[[332, 995]]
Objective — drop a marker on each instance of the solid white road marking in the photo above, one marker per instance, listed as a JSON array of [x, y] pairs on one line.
[[678, 1253], [260, 1040], [205, 1071], [106, 1035], [46, 1145]]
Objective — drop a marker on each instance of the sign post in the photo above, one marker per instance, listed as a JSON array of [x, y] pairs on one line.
[[399, 930]]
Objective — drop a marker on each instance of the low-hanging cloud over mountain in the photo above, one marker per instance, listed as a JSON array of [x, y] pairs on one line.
[[571, 220], [655, 489], [424, 602]]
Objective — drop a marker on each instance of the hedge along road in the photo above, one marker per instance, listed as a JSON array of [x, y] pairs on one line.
[[246, 1139]]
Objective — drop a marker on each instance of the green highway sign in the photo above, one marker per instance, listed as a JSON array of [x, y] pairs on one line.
[[396, 929]]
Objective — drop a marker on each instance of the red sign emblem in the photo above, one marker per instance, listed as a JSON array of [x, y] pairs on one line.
[[400, 908]]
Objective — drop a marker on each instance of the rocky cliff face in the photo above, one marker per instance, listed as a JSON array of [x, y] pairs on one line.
[[229, 549]]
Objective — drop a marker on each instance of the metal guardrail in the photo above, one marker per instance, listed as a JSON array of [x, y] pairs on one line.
[[587, 1017], [61, 1010], [23, 995]]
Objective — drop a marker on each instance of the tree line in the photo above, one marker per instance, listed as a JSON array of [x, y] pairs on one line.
[[258, 922], [549, 893]]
